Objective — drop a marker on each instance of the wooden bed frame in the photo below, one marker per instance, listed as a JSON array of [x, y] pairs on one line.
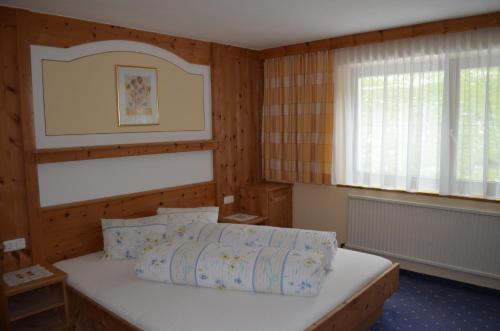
[[73, 230], [357, 313]]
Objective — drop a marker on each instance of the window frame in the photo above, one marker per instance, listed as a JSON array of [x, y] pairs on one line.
[[451, 67]]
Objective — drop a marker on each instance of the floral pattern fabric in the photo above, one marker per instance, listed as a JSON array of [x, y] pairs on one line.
[[322, 243], [236, 267], [126, 239]]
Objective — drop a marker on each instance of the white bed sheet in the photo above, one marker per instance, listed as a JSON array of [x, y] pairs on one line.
[[165, 307]]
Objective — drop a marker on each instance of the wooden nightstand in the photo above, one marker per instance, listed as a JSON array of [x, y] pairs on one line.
[[272, 200], [259, 220], [40, 304]]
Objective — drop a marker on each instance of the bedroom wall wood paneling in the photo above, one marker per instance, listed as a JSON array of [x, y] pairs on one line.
[[13, 197], [60, 31], [74, 229], [438, 27], [236, 102], [237, 91]]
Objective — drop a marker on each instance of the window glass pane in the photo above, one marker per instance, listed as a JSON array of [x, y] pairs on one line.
[[399, 128], [479, 112]]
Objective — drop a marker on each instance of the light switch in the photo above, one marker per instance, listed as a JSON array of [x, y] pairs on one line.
[[14, 244], [228, 199]]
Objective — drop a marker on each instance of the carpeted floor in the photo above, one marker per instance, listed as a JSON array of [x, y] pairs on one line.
[[430, 303]]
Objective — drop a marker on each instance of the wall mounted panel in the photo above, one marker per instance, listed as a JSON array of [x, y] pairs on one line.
[[75, 98], [74, 181]]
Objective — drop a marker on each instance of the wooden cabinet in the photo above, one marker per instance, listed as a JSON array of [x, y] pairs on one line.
[[4, 323], [272, 200], [40, 304]]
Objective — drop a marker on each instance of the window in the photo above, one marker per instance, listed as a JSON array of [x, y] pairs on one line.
[[478, 132], [389, 108], [420, 115]]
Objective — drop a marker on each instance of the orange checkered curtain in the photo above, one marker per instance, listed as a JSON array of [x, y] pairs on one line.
[[297, 120]]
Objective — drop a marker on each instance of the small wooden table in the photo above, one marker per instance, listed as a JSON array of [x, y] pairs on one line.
[[259, 220], [40, 304]]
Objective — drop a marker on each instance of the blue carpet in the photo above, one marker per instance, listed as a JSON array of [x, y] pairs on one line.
[[431, 303]]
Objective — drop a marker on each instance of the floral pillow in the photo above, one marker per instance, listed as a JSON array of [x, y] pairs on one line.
[[234, 267], [201, 214], [128, 238]]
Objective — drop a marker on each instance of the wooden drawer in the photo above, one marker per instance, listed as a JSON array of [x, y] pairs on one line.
[[280, 208], [251, 202]]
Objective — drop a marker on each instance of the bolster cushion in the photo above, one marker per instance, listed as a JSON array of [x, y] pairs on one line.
[[235, 267], [323, 243]]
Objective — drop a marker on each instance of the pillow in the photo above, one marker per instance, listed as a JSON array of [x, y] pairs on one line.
[[323, 243], [234, 267], [126, 238], [201, 214]]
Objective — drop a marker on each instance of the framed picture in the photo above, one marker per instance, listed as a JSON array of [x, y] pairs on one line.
[[137, 91]]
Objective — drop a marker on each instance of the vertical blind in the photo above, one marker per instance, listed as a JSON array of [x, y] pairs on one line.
[[421, 114]]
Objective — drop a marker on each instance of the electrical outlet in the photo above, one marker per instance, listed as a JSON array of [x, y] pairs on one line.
[[14, 244], [228, 199]]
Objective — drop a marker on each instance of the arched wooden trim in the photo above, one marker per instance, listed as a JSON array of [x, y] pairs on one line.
[[39, 53]]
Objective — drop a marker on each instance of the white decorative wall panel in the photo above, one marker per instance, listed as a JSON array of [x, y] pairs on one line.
[[74, 181]]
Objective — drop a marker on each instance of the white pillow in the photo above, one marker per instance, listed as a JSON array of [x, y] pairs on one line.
[[200, 214], [126, 238]]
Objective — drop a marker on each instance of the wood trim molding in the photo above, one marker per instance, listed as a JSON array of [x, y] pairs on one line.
[[51, 155], [437, 27], [419, 193]]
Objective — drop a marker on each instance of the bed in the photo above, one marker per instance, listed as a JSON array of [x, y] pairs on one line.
[[147, 305], [106, 295]]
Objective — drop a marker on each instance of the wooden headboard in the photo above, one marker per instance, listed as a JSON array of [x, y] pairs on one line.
[[74, 229]]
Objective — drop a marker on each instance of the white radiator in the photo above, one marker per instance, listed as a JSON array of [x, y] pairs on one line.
[[459, 239]]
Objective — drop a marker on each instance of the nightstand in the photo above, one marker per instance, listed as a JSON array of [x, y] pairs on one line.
[[40, 304], [273, 200], [258, 220]]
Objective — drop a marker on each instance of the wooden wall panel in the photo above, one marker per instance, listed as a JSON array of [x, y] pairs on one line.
[[237, 78], [28, 134], [438, 27], [13, 204], [75, 229], [60, 31]]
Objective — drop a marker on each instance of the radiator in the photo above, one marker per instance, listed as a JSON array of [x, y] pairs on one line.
[[454, 238]]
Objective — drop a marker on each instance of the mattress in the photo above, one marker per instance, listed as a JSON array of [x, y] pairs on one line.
[[166, 307]]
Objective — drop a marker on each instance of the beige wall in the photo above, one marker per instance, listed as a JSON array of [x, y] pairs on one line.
[[80, 95], [322, 207]]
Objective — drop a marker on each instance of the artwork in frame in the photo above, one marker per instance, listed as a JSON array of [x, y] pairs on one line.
[[137, 91]]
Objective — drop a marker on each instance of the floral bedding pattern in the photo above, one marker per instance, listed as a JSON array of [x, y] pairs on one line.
[[322, 243], [126, 239], [236, 267]]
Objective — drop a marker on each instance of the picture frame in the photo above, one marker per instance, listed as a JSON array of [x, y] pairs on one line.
[[137, 95]]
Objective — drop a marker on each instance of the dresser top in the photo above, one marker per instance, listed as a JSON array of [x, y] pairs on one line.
[[268, 186]]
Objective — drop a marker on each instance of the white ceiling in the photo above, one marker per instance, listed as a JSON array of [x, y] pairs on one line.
[[259, 24]]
